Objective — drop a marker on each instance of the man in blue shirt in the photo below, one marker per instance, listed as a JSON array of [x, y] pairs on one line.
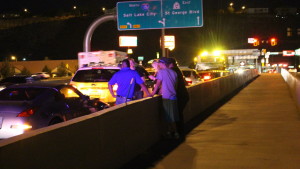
[[138, 93], [126, 79]]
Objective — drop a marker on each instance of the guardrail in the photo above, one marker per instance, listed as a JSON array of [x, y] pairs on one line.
[[294, 85], [111, 137]]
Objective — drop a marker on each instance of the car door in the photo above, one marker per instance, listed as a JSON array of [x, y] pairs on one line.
[[48, 105], [75, 101]]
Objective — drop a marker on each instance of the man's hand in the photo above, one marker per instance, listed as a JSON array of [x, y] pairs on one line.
[[152, 77], [110, 88]]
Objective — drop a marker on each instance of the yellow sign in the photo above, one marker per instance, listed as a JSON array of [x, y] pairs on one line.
[[123, 26], [136, 26]]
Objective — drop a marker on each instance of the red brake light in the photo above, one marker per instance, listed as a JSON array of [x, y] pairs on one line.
[[26, 113]]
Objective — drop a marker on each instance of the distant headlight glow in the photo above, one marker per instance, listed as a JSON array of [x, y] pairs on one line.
[[2, 87]]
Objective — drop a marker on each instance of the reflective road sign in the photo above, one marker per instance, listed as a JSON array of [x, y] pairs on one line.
[[159, 14]]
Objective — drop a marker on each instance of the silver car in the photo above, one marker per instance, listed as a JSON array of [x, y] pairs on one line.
[[30, 106], [191, 76]]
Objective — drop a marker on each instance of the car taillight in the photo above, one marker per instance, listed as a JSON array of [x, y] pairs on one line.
[[206, 77], [189, 81], [27, 113]]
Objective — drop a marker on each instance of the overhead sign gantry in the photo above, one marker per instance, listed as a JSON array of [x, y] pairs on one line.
[[158, 14]]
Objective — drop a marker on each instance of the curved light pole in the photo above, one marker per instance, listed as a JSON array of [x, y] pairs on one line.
[[91, 29]]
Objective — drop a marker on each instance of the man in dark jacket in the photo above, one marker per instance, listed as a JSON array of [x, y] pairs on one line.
[[182, 94]]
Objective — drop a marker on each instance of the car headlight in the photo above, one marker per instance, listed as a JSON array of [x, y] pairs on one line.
[[21, 126], [2, 87]]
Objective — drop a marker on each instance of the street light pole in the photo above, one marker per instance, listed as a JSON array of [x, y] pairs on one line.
[[163, 22], [91, 29], [163, 42]]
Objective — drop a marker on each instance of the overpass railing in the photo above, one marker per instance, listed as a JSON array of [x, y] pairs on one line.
[[293, 83]]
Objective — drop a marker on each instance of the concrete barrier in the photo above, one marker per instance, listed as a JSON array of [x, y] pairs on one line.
[[294, 85], [110, 138], [203, 96]]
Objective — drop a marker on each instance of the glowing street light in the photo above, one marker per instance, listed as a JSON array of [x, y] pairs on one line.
[[14, 58], [198, 58], [203, 54], [129, 51], [217, 53], [231, 4], [195, 59], [74, 7]]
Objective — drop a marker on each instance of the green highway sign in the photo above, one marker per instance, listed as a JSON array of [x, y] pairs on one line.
[[135, 15]]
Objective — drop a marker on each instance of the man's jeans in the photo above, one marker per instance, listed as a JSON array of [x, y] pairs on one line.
[[120, 100]]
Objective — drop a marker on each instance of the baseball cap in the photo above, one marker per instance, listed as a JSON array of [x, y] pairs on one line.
[[164, 60], [172, 60]]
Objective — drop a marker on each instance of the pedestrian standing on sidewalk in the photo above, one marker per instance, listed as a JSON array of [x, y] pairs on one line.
[[126, 80], [181, 92], [166, 79]]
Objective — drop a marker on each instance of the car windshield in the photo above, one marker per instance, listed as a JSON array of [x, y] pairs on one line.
[[94, 75], [20, 94]]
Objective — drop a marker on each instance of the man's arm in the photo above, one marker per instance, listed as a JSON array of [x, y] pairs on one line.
[[156, 87], [110, 87], [145, 89]]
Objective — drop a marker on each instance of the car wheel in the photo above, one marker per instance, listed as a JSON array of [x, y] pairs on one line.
[[55, 121]]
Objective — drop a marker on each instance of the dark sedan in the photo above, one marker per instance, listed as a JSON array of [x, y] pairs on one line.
[[30, 106]]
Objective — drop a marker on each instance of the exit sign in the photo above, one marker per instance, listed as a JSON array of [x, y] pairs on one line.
[[134, 15]]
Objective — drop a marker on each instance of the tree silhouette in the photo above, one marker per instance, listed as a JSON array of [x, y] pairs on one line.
[[7, 69]]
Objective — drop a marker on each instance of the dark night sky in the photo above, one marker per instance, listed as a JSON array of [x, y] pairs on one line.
[[42, 5]]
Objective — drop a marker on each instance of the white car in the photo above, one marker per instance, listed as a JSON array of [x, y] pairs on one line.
[[41, 75], [93, 81], [191, 76]]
